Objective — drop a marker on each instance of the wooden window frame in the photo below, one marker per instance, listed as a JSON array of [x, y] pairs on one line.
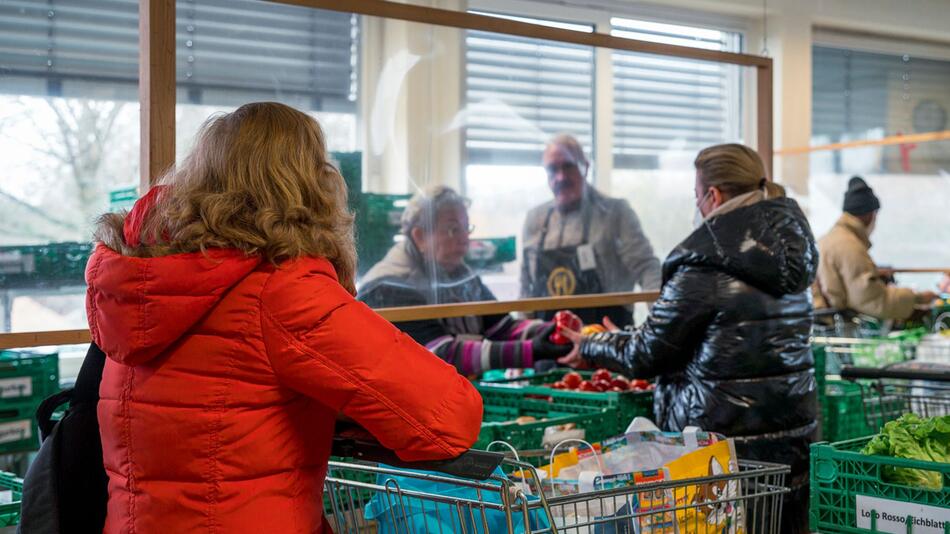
[[158, 98]]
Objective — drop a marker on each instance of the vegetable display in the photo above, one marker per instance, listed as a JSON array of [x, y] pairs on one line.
[[914, 438], [601, 381]]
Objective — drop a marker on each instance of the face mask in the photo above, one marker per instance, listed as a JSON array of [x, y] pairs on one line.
[[698, 217], [871, 227]]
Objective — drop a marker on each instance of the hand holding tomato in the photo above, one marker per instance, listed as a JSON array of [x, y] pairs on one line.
[[565, 320]]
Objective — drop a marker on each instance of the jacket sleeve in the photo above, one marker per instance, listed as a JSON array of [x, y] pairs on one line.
[[339, 352], [635, 250], [669, 338], [867, 293]]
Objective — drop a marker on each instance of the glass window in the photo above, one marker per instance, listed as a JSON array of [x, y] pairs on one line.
[[664, 111], [230, 52], [69, 119], [69, 140], [520, 92], [861, 95]]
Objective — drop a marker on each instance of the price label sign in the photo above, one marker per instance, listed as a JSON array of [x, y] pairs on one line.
[[893, 516]]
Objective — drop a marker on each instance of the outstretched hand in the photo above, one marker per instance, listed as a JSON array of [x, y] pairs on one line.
[[574, 358]]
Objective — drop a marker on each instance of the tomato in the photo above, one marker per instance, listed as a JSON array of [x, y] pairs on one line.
[[559, 385], [601, 374], [587, 386], [639, 384], [620, 383], [616, 389], [565, 320], [601, 385], [572, 380]]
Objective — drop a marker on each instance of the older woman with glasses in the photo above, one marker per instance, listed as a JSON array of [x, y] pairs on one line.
[[428, 267]]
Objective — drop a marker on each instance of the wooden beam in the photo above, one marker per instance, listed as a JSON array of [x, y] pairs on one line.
[[22, 340], [471, 21], [156, 89], [411, 313], [438, 311], [763, 115], [891, 140]]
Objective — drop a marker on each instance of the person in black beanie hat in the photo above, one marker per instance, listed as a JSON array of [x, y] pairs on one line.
[[859, 199], [848, 279]]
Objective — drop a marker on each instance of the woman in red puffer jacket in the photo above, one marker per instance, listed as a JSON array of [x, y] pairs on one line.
[[224, 302]]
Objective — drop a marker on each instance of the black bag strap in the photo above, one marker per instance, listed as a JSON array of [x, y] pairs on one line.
[[90, 375], [86, 390], [44, 413]]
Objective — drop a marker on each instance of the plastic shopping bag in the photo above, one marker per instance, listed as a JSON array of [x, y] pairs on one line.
[[398, 513], [644, 457]]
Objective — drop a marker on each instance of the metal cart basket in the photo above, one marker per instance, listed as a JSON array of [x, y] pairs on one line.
[[749, 501], [890, 392]]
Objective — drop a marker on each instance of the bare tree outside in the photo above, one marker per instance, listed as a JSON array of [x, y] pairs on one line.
[[63, 156]]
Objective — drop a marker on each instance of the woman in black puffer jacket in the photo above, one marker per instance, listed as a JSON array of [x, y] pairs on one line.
[[728, 339]]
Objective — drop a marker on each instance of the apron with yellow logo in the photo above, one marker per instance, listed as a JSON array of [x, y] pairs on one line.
[[572, 270]]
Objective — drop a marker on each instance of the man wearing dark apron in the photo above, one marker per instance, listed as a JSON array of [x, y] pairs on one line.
[[572, 270], [600, 246]]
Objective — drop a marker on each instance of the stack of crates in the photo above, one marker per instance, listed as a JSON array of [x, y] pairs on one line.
[[50, 265], [26, 378], [11, 493]]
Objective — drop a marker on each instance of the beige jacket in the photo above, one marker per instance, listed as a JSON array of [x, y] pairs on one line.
[[848, 277]]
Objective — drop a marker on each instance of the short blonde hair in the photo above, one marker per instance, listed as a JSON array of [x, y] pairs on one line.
[[734, 169], [257, 180]]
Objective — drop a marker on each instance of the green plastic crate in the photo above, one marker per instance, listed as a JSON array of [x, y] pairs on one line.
[[357, 495], [27, 376], [19, 431], [849, 413], [842, 411], [603, 415], [629, 404], [10, 511], [499, 424], [840, 474], [50, 265], [845, 412]]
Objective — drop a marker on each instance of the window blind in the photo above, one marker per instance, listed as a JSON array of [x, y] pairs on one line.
[[227, 51], [663, 103], [519, 92]]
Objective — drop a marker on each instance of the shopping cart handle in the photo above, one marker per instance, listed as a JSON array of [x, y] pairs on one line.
[[936, 375], [473, 464]]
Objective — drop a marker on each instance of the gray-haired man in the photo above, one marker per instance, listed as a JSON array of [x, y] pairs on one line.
[[583, 242]]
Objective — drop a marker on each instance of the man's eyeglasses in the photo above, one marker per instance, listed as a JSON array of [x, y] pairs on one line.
[[553, 168]]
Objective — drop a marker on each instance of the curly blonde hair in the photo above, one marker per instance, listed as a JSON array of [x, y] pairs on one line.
[[257, 180]]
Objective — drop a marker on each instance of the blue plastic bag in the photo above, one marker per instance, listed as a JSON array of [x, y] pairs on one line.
[[418, 516]]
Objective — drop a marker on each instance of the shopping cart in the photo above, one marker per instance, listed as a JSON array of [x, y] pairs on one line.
[[912, 387], [393, 501], [841, 401]]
